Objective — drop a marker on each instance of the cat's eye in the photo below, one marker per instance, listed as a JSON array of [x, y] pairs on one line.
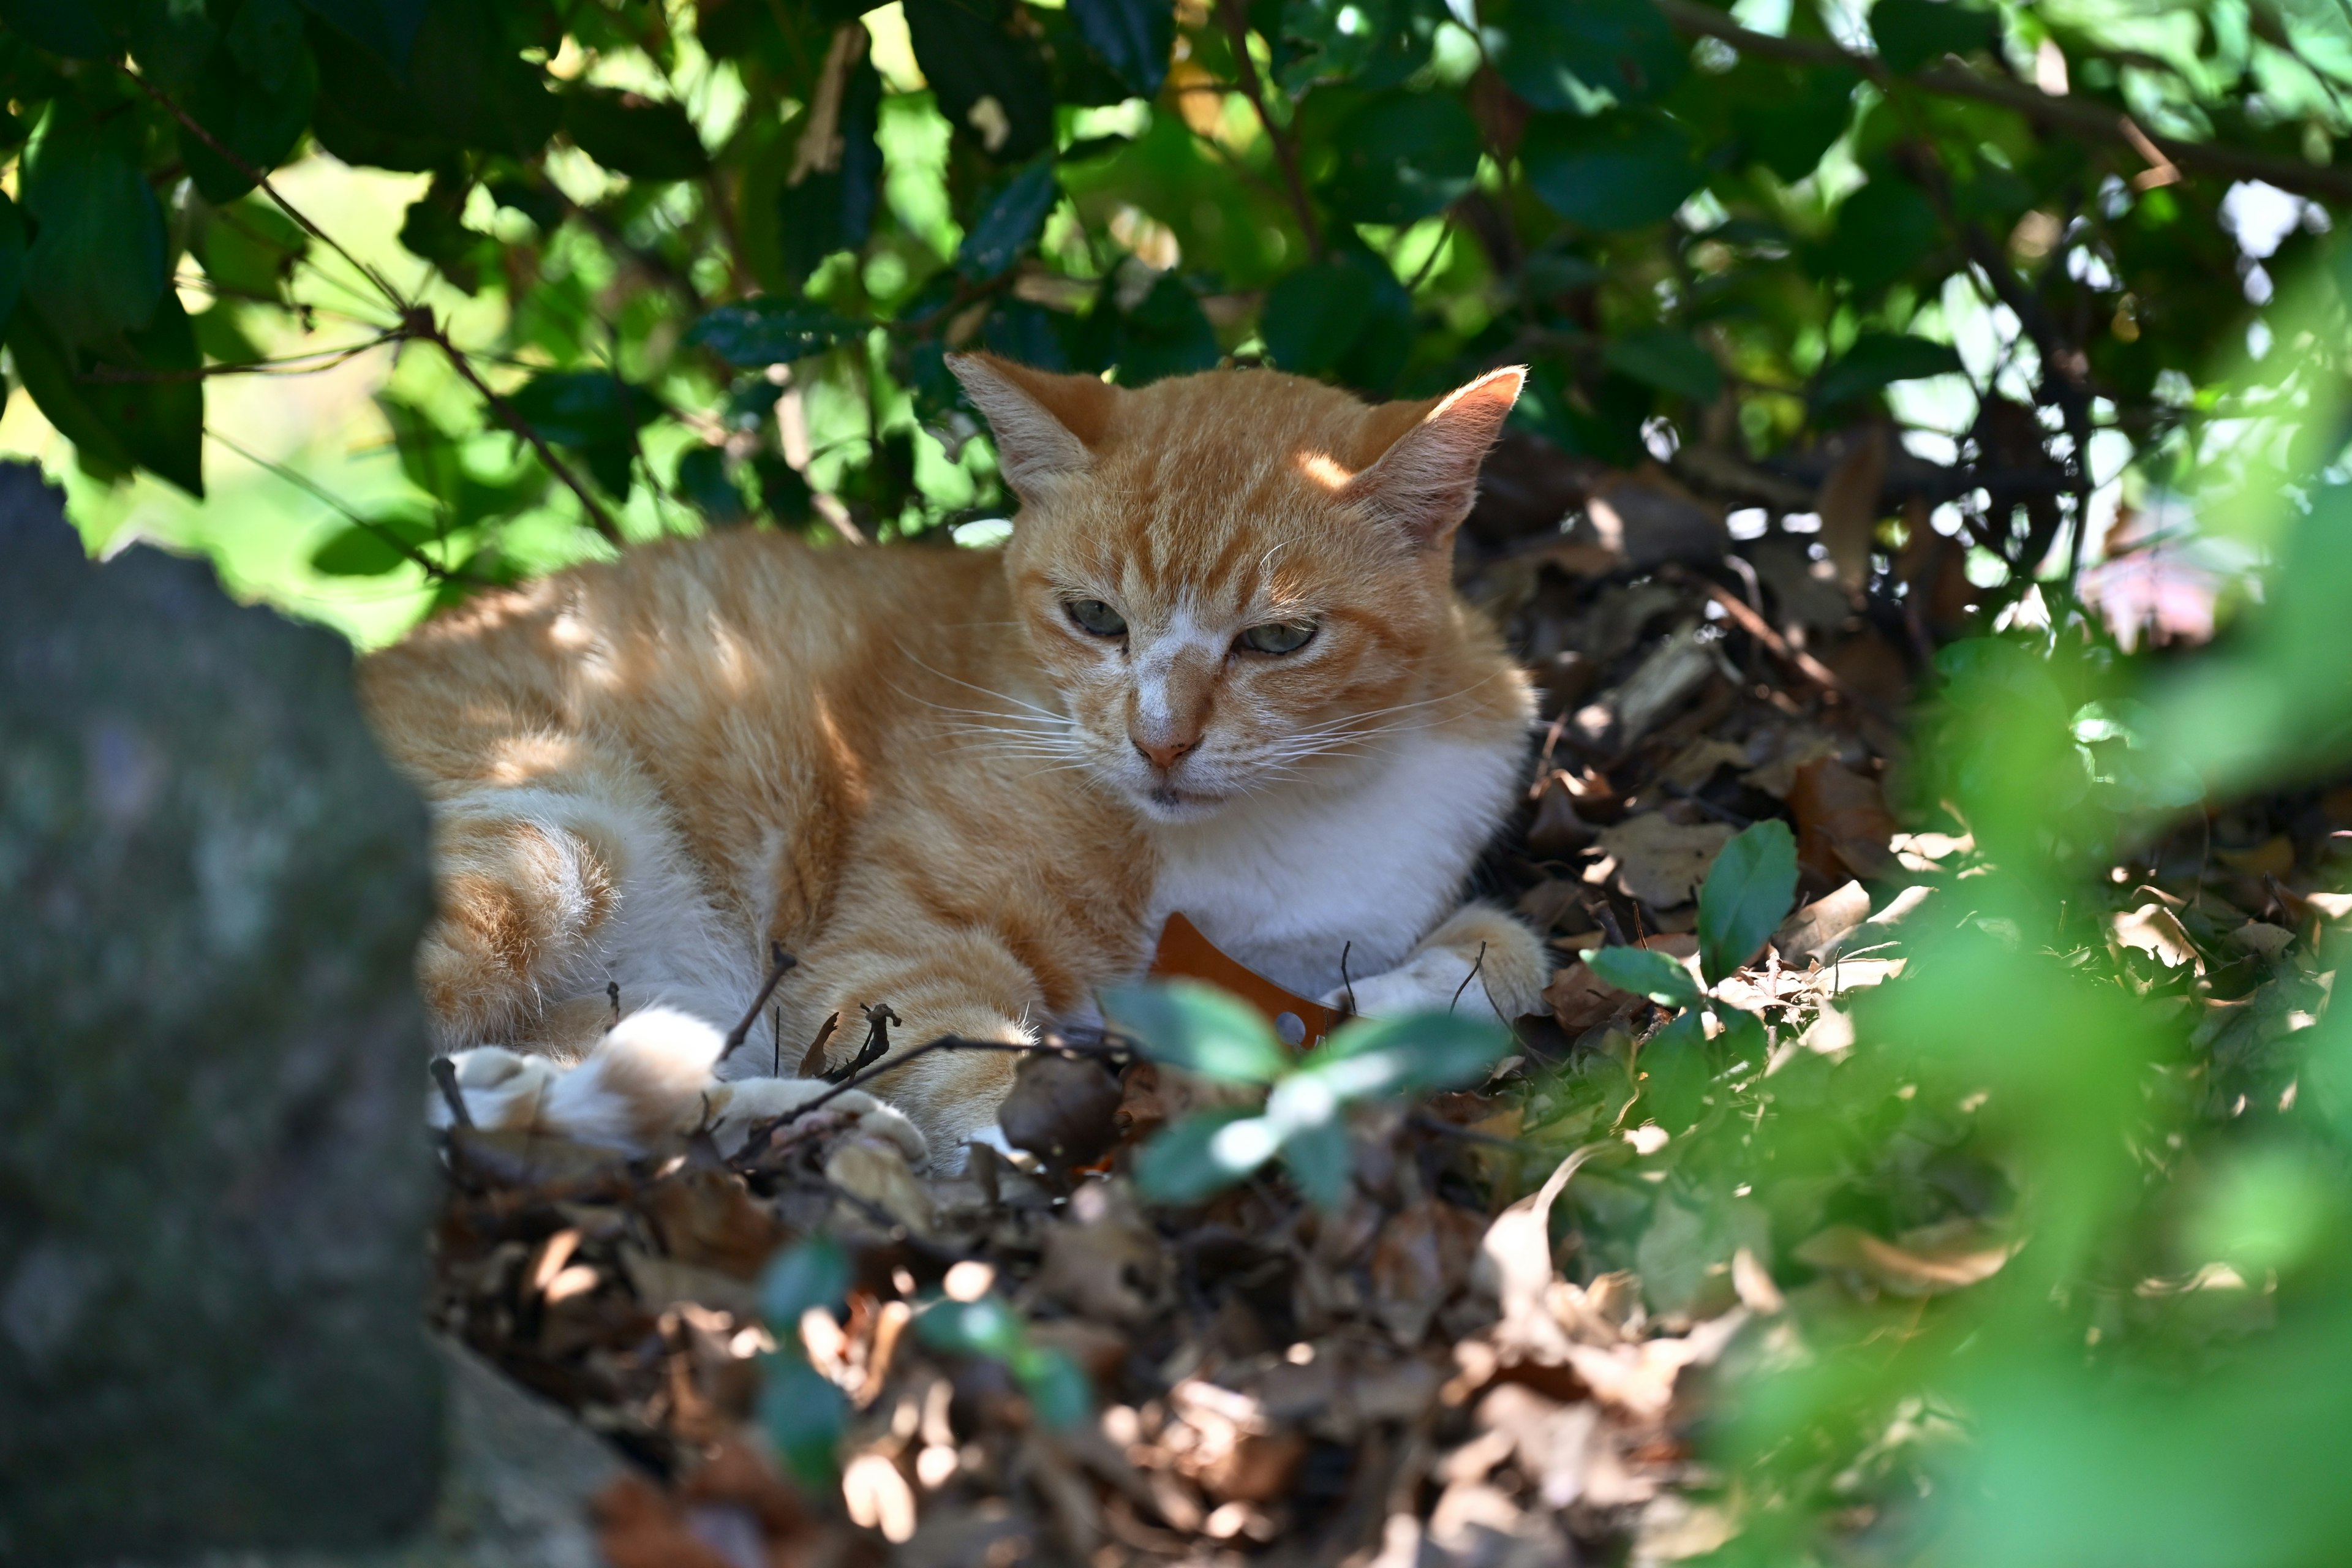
[[1096, 618], [1277, 636]]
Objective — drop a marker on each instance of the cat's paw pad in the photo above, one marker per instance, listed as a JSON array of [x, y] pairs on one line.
[[739, 1108], [499, 1089]]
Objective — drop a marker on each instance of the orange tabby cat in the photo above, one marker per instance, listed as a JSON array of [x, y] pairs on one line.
[[1219, 670]]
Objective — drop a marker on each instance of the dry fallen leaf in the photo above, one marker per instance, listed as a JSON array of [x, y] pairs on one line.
[[877, 1171], [1817, 930], [1925, 1262], [1064, 1109], [1661, 861], [2156, 930], [1843, 823], [1848, 504], [1421, 1258]]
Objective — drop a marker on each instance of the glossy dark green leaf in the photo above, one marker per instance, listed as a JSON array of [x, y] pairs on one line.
[[1165, 334], [386, 28], [51, 371], [265, 39], [1028, 334], [1560, 54], [1790, 127], [701, 481], [986, 1327], [95, 268], [433, 229], [1199, 1028], [991, 79], [1133, 36], [74, 28], [1883, 231], [1204, 1153], [768, 331], [146, 395], [593, 413], [1315, 315], [382, 544], [482, 96], [1878, 360], [1402, 156], [1914, 33], [643, 138], [11, 259], [833, 210], [1620, 170], [1319, 1159], [813, 1273], [1059, 1388], [802, 1414], [1746, 895], [1668, 359], [1009, 221], [1367, 1059], [257, 124], [169, 39], [1645, 973], [784, 493], [1676, 1069]]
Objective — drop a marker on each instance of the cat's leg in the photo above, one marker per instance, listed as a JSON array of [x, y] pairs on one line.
[[647, 1081], [1509, 961], [939, 979]]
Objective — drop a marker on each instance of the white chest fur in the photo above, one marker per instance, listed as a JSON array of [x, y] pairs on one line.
[[1288, 881]]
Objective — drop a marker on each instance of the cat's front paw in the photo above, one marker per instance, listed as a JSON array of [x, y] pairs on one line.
[[500, 1089], [1481, 958], [747, 1106]]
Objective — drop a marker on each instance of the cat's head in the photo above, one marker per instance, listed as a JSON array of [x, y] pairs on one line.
[[1239, 580]]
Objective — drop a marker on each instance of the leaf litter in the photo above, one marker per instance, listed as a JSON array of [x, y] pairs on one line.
[[1497, 1340]]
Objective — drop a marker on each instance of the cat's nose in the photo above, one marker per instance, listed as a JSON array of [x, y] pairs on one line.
[[1162, 754]]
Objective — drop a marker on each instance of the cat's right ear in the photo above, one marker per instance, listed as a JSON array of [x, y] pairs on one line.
[[1044, 423]]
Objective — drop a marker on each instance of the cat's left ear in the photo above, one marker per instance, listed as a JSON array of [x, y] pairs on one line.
[[1426, 480]]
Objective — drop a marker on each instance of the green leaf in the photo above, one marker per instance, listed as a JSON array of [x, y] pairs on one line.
[[249, 249], [1315, 315], [1059, 1388], [1369, 1057], [265, 38], [1009, 222], [804, 1415], [1746, 895], [371, 550], [157, 414], [1675, 1072], [1562, 54], [768, 331], [1165, 334], [701, 481], [593, 413], [1790, 129], [1879, 359], [977, 54], [1883, 231], [1320, 1160], [645, 139], [1620, 170], [49, 370], [1133, 36], [385, 28], [68, 27], [434, 230], [95, 267], [1402, 156], [1204, 1153], [833, 211], [1201, 1029], [813, 1273], [986, 1327], [11, 259], [1914, 33], [1645, 973], [1671, 360]]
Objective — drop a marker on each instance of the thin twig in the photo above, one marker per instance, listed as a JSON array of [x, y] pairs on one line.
[[1285, 155], [432, 568], [262, 180], [1475, 968], [780, 964], [1346, 986], [2086, 117], [1109, 1050], [419, 322], [445, 1074], [292, 364]]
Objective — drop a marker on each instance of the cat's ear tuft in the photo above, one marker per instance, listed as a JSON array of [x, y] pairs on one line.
[[1044, 423], [1426, 480]]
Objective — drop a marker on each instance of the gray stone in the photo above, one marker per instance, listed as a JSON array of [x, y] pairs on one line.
[[215, 1183]]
